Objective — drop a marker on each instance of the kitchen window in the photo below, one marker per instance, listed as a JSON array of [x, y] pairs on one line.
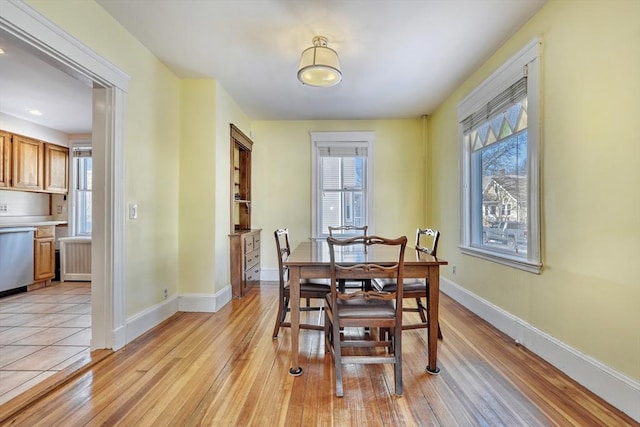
[[342, 187], [82, 190], [499, 156]]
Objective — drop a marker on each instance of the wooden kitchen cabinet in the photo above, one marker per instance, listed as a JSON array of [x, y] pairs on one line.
[[44, 254], [245, 260], [27, 163], [5, 159], [56, 175]]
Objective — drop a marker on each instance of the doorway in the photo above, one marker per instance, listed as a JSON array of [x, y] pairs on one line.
[[51, 44]]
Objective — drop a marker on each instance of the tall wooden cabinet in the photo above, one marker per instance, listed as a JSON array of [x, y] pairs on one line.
[[244, 242]]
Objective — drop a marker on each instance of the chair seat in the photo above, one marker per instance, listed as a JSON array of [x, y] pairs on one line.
[[410, 285], [311, 287], [326, 282], [365, 308]]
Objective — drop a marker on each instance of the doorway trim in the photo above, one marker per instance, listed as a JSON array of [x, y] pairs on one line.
[[53, 45]]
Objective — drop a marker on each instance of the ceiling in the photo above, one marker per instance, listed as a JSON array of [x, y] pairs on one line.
[[399, 58]]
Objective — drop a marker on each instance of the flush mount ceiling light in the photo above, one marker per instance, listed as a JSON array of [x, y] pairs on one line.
[[319, 65]]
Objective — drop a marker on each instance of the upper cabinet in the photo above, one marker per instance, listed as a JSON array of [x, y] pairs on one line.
[[5, 159], [28, 164], [56, 168], [241, 147]]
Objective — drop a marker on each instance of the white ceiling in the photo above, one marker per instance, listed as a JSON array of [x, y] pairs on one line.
[[399, 58]]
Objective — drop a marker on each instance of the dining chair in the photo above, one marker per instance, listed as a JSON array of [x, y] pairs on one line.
[[427, 242], [309, 288], [345, 232], [364, 308]]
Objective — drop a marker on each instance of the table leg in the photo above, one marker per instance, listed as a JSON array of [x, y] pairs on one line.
[[294, 303], [434, 302]]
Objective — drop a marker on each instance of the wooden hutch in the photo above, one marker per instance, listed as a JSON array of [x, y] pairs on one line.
[[243, 240]]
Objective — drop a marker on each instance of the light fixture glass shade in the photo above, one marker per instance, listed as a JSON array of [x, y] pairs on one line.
[[319, 65]]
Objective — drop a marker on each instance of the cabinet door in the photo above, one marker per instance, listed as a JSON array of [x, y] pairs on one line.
[[28, 162], [44, 254], [5, 159], [56, 169]]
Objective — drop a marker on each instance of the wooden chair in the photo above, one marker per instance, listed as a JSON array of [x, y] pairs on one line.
[[427, 242], [345, 232], [309, 289], [365, 308]]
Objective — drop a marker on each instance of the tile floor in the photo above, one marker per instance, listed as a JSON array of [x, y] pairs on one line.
[[41, 333]]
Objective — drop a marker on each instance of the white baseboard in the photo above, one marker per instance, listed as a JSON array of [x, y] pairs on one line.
[[615, 388], [207, 303], [149, 318], [153, 316], [269, 274]]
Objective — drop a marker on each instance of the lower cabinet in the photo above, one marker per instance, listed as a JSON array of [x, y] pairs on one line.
[[244, 260], [44, 254]]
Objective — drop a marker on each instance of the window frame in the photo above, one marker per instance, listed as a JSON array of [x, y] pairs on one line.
[[527, 60], [336, 139], [73, 194]]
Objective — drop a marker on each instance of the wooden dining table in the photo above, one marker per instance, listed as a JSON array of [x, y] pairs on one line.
[[311, 259]]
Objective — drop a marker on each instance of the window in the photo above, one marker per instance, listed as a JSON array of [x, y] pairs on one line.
[[82, 185], [342, 187], [499, 149]]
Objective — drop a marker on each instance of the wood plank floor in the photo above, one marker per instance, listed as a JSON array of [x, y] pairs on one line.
[[224, 369]]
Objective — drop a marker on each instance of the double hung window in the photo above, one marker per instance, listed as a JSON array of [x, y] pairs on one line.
[[342, 184], [82, 186], [499, 138]]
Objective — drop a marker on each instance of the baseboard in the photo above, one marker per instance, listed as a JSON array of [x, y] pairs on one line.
[[615, 388], [207, 303], [149, 318], [269, 275]]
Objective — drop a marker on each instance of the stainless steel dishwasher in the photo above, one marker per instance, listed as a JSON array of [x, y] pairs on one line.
[[16, 257]]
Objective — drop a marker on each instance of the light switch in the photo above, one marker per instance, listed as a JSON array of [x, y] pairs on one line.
[[133, 211]]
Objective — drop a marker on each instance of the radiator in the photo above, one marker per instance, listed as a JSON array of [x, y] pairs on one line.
[[75, 258]]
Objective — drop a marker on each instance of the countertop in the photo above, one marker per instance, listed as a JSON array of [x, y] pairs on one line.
[[25, 223]]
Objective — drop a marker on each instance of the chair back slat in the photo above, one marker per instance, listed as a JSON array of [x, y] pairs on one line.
[[427, 240]]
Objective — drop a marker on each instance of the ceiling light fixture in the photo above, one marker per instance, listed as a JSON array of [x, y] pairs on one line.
[[319, 65], [33, 112]]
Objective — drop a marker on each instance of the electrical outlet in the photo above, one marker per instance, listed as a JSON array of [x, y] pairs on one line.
[[59, 209], [166, 294], [453, 268], [4, 208]]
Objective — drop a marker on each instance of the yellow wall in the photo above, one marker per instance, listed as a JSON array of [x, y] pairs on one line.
[[151, 145], [282, 177], [197, 184], [588, 295]]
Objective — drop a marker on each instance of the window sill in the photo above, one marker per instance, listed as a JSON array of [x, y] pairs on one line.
[[504, 259]]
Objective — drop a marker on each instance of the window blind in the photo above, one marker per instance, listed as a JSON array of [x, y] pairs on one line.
[[342, 151], [81, 151], [498, 104]]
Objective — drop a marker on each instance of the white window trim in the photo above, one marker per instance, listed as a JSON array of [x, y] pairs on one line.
[[73, 179], [323, 138], [505, 76]]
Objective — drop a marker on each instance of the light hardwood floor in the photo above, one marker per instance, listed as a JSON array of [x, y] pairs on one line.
[[224, 369]]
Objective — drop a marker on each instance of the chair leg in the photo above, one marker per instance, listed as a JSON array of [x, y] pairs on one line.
[[282, 313], [337, 358], [421, 310], [397, 353]]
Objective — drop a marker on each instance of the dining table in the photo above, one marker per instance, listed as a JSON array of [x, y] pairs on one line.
[[311, 260]]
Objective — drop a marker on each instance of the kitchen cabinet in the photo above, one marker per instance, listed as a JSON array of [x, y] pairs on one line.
[[5, 159], [27, 163], [44, 254], [56, 175], [245, 260]]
